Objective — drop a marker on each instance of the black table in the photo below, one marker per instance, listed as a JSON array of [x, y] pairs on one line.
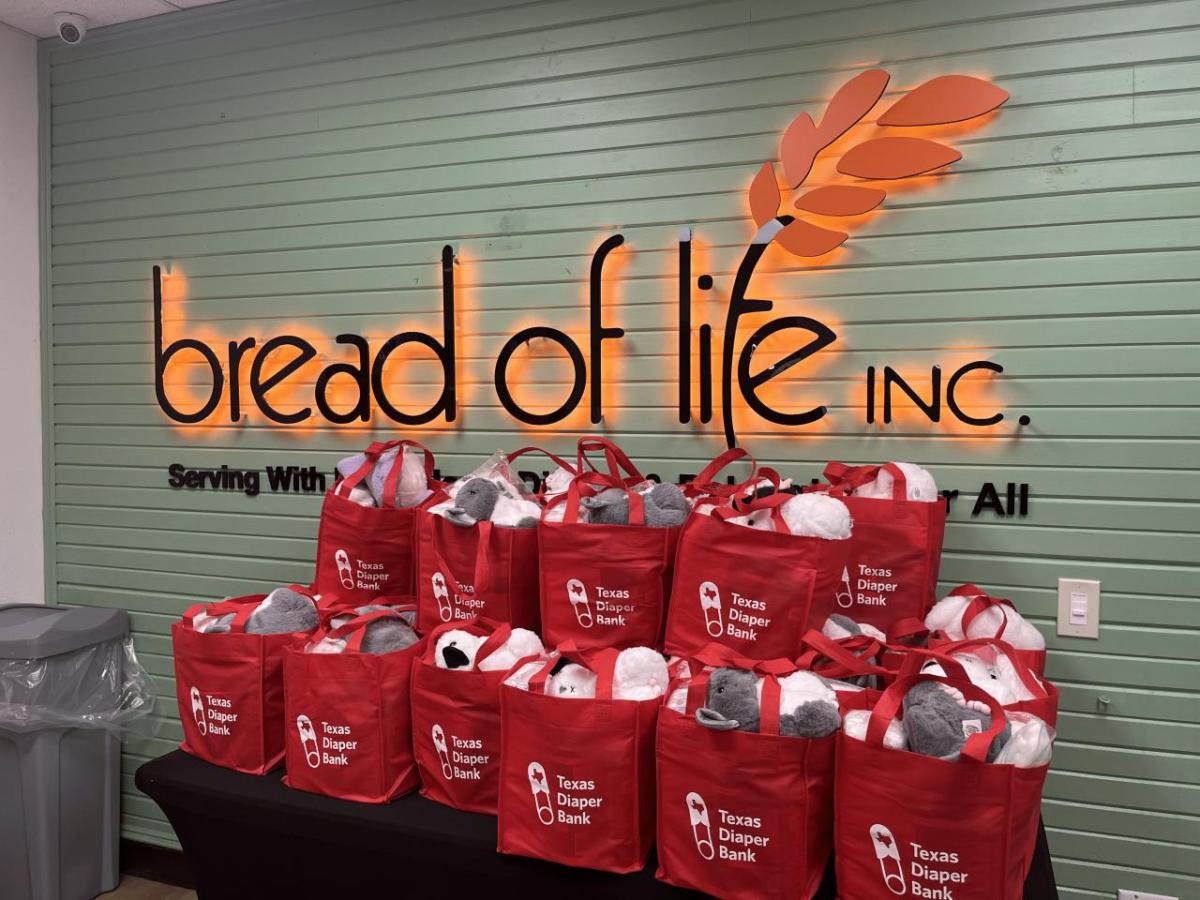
[[250, 836]]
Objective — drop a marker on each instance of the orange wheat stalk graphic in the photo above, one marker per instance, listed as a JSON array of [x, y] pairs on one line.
[[939, 101]]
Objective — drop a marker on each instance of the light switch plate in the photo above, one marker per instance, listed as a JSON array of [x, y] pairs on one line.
[[1078, 608], [1141, 895]]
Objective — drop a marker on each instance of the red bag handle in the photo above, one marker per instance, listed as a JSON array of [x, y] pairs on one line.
[[705, 480], [616, 458], [482, 570], [328, 613], [891, 701], [906, 630], [479, 625], [557, 460], [843, 661], [600, 662], [980, 601], [1024, 672], [591, 483], [372, 453], [357, 625], [741, 505], [916, 657], [718, 656], [850, 477], [242, 608]]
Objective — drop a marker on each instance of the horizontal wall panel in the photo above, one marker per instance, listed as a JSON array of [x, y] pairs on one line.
[[298, 168]]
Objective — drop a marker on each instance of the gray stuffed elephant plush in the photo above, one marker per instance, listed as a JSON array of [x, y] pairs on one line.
[[732, 704], [476, 502], [663, 505], [938, 724]]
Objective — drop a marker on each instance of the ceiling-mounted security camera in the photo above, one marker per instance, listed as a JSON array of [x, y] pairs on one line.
[[71, 27]]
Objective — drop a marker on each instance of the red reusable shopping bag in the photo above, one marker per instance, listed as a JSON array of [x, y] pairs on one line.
[[577, 775], [366, 552], [892, 567], [981, 601], [849, 659], [752, 590], [479, 571], [907, 824], [230, 688], [456, 723], [603, 585], [741, 815], [1043, 704], [349, 733]]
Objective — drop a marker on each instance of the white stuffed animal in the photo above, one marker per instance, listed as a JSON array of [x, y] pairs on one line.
[[1031, 743], [919, 484], [991, 671], [361, 496], [457, 649], [815, 514], [946, 616], [639, 673], [521, 643], [838, 627]]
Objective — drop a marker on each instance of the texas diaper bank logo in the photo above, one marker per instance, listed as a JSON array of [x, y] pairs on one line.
[[608, 607], [330, 745], [743, 619], [738, 838], [930, 873], [566, 801], [360, 574], [213, 713], [461, 606], [287, 381], [462, 758]]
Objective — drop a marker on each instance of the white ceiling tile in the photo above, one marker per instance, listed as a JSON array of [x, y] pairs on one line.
[[37, 16]]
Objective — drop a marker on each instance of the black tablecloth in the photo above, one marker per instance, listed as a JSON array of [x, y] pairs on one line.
[[250, 836]]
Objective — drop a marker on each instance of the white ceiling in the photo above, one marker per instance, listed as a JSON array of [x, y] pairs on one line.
[[37, 16]]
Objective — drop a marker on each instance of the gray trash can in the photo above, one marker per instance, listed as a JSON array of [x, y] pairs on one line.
[[69, 684]]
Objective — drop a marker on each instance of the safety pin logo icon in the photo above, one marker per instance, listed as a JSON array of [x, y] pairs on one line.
[[710, 603], [345, 571], [441, 593], [577, 594], [845, 596], [198, 712], [308, 741], [443, 752], [701, 829], [888, 855], [540, 787]]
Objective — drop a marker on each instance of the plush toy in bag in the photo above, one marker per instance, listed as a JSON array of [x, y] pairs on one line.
[[606, 561], [750, 575], [347, 724], [891, 569], [478, 547], [938, 788], [577, 757], [745, 777], [456, 709], [367, 537], [970, 612], [229, 675]]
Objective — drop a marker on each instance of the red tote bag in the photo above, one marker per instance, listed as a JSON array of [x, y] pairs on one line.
[[577, 776], [230, 688], [479, 571], [364, 552], [456, 723], [981, 601], [603, 585], [348, 728], [912, 825], [743, 816], [891, 569], [752, 590]]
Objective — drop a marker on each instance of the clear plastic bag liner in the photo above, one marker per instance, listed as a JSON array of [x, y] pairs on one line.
[[98, 686]]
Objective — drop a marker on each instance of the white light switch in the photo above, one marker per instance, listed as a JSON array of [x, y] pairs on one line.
[[1078, 608]]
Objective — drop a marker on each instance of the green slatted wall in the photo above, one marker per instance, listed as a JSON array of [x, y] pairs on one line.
[[305, 161]]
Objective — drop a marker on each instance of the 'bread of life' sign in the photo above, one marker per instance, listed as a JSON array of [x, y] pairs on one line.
[[732, 366]]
